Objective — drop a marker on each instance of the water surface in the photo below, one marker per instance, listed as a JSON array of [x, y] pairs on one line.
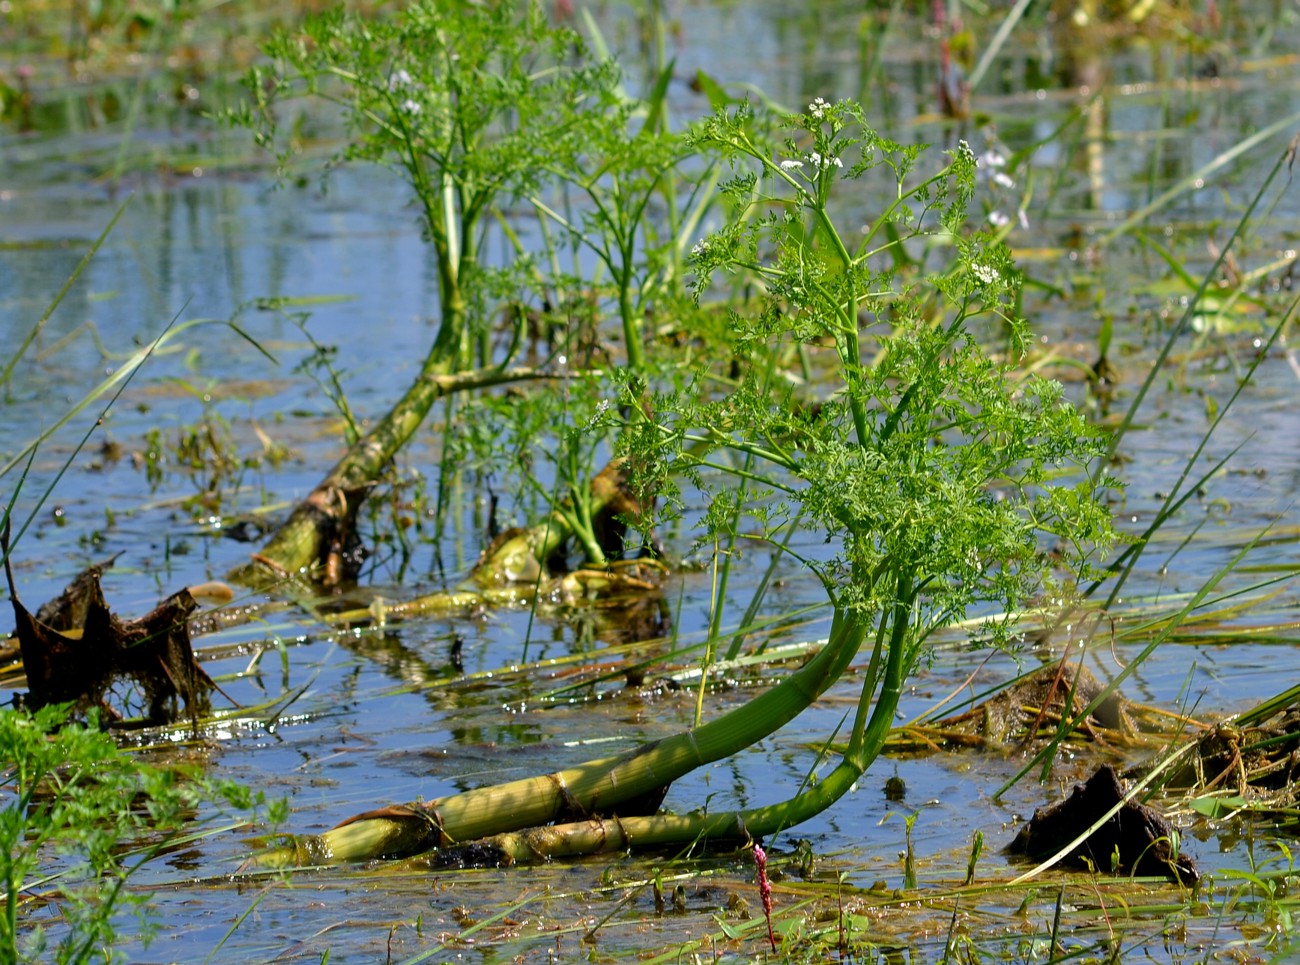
[[197, 240]]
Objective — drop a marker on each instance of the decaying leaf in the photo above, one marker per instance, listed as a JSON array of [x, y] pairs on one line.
[[75, 650]]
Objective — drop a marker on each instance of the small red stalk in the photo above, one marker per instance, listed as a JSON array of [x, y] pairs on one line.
[[765, 891]]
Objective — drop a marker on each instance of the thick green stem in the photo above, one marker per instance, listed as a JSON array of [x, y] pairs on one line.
[[666, 830], [631, 323], [579, 520], [305, 539], [594, 787], [868, 737]]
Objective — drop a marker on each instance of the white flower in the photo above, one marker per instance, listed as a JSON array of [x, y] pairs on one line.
[[822, 163], [791, 165], [700, 247], [410, 106], [984, 274], [818, 108], [399, 78], [1001, 179]]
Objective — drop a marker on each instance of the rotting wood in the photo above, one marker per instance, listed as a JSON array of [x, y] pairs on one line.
[[1136, 838], [1259, 761], [1028, 710]]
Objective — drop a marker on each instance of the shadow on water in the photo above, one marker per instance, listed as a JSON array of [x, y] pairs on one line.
[[1079, 122]]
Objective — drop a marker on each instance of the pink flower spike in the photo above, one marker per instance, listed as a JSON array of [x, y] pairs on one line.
[[765, 890]]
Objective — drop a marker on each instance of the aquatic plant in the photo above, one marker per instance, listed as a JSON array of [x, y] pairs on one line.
[[81, 817], [497, 108], [923, 461], [689, 420]]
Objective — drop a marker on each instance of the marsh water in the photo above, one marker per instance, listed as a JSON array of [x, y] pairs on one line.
[[1112, 115]]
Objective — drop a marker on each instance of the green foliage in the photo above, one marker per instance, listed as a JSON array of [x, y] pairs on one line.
[[470, 103], [927, 463], [857, 397], [80, 817], [499, 107], [631, 216], [75, 805]]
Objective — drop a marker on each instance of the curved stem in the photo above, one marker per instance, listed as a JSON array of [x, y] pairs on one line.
[[663, 830], [599, 785]]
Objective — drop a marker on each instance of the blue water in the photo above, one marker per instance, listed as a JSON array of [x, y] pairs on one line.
[[204, 244]]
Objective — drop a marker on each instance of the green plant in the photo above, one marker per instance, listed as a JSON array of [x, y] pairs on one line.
[[470, 121], [80, 817], [921, 457], [494, 108], [927, 464], [622, 167]]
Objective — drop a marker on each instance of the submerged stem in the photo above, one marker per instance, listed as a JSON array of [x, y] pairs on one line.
[[598, 786]]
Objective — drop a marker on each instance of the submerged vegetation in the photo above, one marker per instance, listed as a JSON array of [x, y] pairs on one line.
[[662, 349]]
